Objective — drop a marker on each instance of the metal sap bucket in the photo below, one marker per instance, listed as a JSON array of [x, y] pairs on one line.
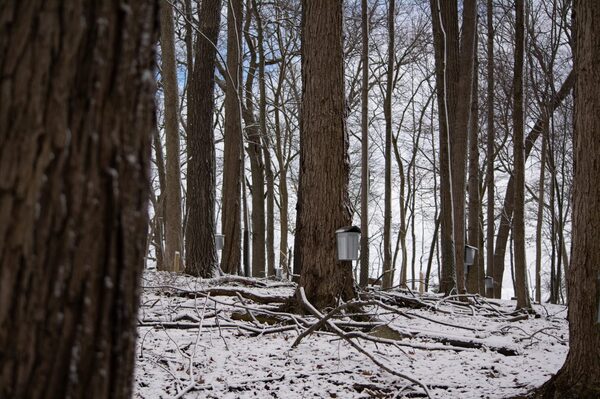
[[470, 254], [219, 241], [347, 242]]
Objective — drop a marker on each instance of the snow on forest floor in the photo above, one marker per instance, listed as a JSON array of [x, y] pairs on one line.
[[192, 344]]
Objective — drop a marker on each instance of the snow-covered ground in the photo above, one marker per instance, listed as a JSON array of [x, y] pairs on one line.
[[189, 346]]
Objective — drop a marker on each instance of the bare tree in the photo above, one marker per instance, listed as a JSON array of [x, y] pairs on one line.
[[364, 173], [388, 270], [522, 291], [454, 73], [580, 375], [323, 202], [201, 256], [74, 171], [172, 200], [490, 151], [232, 164]]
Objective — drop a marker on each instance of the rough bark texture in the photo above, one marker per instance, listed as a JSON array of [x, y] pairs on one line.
[[489, 175], [459, 134], [201, 256], [522, 292], [268, 239], [173, 229], [474, 278], [76, 120], [257, 167], [324, 205], [508, 206], [580, 375], [364, 171], [388, 276], [231, 221], [444, 25]]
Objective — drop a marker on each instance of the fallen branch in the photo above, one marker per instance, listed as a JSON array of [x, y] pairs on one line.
[[341, 333]]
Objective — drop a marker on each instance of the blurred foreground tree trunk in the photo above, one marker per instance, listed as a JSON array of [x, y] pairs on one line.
[[76, 121], [580, 375]]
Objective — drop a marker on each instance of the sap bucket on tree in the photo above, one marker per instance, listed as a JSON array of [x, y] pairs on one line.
[[348, 242], [470, 254], [219, 241]]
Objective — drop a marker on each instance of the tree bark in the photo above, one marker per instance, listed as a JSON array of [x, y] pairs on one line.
[[580, 375], [522, 291], [388, 267], [264, 137], [158, 203], [257, 167], [444, 25], [459, 142], [201, 255], [474, 279], [489, 175], [323, 204], [232, 166], [76, 120], [540, 221], [173, 230], [364, 171]]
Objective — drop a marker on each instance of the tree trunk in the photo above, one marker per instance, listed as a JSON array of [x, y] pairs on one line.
[[201, 255], [522, 291], [540, 222], [388, 271], [364, 171], [489, 175], [508, 206], [232, 165], [459, 142], [75, 135], [323, 204], [264, 136], [580, 375], [173, 230], [257, 167], [474, 279], [158, 204], [445, 25]]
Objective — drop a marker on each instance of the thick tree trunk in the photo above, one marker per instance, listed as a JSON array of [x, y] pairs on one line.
[[201, 255], [508, 206], [232, 166], [75, 134], [173, 230], [445, 25], [459, 134], [323, 205], [522, 291], [388, 267], [474, 278], [580, 375], [364, 171], [491, 156]]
